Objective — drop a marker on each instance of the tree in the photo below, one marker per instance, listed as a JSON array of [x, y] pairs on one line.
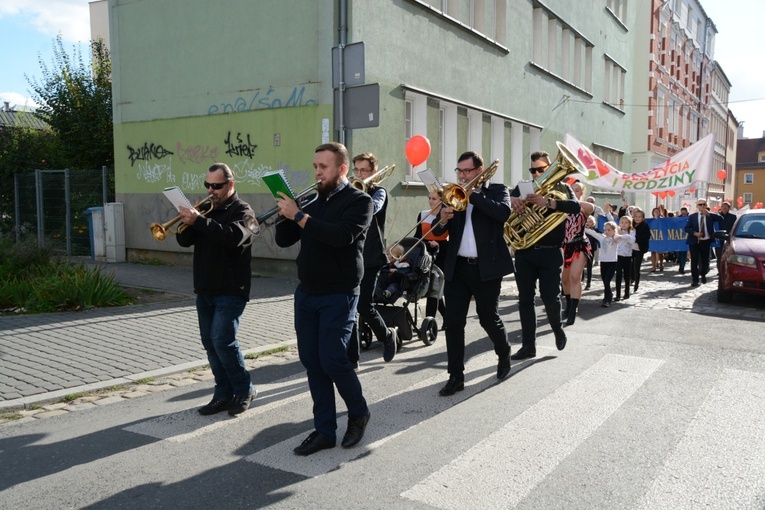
[[76, 103]]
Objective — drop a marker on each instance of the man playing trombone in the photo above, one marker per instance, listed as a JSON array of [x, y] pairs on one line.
[[476, 260], [364, 167], [222, 255]]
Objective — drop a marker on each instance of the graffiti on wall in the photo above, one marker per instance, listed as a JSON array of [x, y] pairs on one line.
[[271, 98], [239, 146], [147, 152]]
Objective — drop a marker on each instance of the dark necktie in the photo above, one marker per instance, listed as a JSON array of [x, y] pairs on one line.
[[702, 226]]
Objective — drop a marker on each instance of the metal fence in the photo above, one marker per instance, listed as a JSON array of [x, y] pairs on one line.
[[51, 205]]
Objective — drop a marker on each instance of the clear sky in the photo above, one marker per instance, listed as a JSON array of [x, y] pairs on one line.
[[28, 28]]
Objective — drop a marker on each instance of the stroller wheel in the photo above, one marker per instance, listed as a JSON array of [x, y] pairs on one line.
[[365, 336], [428, 331]]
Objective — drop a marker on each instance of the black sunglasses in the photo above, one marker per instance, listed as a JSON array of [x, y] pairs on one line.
[[539, 170], [215, 185]]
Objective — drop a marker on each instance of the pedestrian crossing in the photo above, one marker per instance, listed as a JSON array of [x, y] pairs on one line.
[[719, 461]]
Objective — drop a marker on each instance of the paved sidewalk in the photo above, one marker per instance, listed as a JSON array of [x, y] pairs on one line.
[[46, 357]]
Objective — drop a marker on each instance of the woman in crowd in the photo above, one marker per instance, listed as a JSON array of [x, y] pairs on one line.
[[576, 251], [640, 246]]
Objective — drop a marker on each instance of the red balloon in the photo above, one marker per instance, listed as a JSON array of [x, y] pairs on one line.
[[570, 181], [671, 193], [740, 201], [691, 190], [417, 150], [662, 194], [722, 174]]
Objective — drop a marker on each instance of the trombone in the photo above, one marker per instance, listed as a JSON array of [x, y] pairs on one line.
[[373, 180], [453, 196], [160, 232], [256, 224]]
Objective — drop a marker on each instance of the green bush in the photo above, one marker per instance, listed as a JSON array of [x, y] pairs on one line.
[[34, 282]]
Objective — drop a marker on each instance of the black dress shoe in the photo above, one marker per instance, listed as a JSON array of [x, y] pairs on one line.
[[703, 279], [524, 353], [241, 403], [356, 428], [560, 338], [313, 443], [215, 406], [695, 284], [503, 367], [453, 385]]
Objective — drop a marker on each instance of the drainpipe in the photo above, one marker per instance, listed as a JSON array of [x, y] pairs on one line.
[[701, 78], [341, 68]]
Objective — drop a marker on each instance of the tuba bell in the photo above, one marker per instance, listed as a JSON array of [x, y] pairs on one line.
[[525, 228]]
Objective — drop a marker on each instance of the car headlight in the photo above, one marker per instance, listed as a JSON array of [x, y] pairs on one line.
[[743, 260]]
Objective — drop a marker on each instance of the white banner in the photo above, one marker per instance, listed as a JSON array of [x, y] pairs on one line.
[[690, 165]]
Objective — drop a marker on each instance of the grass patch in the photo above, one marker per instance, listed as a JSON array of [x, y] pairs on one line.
[[35, 407], [145, 380], [10, 416], [256, 355], [148, 262], [72, 397], [32, 280], [199, 369]]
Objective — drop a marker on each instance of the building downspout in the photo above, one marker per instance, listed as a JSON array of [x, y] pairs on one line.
[[343, 29]]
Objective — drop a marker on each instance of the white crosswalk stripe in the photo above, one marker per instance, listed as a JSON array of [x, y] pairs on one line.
[[562, 421]]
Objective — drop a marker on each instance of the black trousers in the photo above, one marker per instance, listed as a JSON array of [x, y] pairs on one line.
[[637, 262], [623, 269], [699, 259], [607, 271], [546, 266], [466, 284], [368, 313]]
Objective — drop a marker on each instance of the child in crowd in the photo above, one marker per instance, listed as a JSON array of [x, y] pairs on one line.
[[624, 256], [609, 241], [392, 275], [657, 259], [640, 246]]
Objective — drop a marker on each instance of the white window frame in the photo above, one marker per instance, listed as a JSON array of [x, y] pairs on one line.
[[748, 197], [748, 178]]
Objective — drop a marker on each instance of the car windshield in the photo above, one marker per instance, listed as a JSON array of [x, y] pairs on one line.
[[752, 228]]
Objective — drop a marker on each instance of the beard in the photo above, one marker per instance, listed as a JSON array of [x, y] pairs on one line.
[[328, 186]]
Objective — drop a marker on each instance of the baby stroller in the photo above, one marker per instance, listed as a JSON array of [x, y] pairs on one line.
[[424, 280]]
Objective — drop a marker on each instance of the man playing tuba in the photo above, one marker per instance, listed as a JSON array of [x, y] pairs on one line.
[[542, 261]]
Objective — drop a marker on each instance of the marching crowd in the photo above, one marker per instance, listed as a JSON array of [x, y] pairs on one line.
[[343, 266]]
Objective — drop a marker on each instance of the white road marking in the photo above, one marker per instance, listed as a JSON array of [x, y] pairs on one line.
[[537, 440]]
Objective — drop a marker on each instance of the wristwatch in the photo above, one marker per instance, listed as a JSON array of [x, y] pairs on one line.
[[548, 204], [299, 216]]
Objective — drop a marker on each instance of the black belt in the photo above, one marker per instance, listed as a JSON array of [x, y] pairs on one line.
[[548, 247], [469, 260]]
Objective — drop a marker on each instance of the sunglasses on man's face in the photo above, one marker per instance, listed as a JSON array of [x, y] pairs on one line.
[[538, 170], [215, 185]]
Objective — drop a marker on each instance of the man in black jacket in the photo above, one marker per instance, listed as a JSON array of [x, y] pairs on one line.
[[365, 166], [222, 255], [476, 260], [543, 261], [331, 232], [728, 220]]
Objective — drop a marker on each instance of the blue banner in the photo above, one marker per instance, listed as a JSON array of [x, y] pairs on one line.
[[667, 234]]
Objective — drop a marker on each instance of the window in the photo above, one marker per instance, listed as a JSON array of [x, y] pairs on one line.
[[618, 8], [613, 83], [613, 157], [762, 157], [560, 50], [660, 117], [748, 178], [747, 197], [482, 17]]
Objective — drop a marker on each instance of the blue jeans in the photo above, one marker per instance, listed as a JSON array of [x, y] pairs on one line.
[[323, 324], [218, 321]]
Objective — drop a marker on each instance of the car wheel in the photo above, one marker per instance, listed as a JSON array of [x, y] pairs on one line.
[[723, 296]]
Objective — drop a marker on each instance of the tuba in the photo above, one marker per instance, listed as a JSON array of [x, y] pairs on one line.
[[525, 228], [373, 180]]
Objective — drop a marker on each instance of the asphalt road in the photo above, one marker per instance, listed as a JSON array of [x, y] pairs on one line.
[[651, 405]]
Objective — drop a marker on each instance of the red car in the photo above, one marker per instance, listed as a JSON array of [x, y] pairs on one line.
[[742, 265]]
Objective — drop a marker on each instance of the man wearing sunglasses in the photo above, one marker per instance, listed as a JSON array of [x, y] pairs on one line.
[[541, 262], [222, 255]]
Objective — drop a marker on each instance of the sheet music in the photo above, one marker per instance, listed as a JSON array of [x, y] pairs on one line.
[[428, 177], [177, 198], [525, 188]]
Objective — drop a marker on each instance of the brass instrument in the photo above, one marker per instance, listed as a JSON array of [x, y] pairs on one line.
[[256, 224], [160, 232], [373, 180], [525, 228], [453, 196]]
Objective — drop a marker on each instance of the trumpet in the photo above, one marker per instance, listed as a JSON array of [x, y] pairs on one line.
[[256, 224], [453, 196], [160, 232], [372, 180]]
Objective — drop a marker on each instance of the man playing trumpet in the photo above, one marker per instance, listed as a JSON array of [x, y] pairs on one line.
[[222, 255]]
